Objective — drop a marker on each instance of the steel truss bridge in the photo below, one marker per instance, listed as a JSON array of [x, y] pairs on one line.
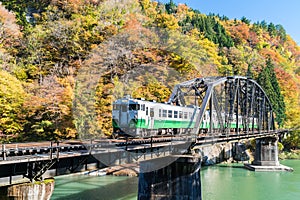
[[228, 99], [231, 99]]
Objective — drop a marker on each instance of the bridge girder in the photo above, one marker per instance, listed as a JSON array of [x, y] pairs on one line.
[[228, 100]]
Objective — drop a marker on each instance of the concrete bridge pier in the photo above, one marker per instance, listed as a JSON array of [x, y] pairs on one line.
[[266, 152], [266, 156], [178, 180]]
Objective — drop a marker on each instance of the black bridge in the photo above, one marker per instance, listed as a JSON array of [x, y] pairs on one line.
[[236, 98], [229, 99]]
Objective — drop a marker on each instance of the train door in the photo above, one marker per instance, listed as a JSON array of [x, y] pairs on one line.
[[151, 124], [124, 115]]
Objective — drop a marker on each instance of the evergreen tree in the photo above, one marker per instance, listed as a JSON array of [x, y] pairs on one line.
[[272, 29], [280, 114], [249, 72], [268, 80], [209, 26], [245, 20], [281, 32], [171, 7]]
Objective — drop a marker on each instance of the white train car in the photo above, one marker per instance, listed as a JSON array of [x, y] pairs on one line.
[[137, 117]]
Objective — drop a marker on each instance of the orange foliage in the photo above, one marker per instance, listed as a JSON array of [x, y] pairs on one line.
[[291, 91], [293, 48], [182, 11], [272, 54], [132, 23], [74, 5], [9, 30], [287, 82], [240, 32], [253, 39]]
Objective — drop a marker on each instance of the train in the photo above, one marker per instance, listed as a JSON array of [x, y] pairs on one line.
[[141, 118]]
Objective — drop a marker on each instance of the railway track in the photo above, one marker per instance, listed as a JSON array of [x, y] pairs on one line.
[[46, 147]]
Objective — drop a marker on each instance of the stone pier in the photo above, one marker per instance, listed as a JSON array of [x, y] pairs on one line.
[[178, 180], [266, 152], [266, 156], [28, 191]]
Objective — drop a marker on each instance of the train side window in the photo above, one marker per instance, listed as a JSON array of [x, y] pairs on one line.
[[170, 113], [159, 113], [143, 107], [151, 112], [134, 106], [164, 114], [185, 114], [175, 114], [146, 110], [180, 114], [124, 108]]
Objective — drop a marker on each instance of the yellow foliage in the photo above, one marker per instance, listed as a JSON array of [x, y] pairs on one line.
[[165, 20]]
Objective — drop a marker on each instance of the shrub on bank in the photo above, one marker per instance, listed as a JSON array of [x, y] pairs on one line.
[[290, 155]]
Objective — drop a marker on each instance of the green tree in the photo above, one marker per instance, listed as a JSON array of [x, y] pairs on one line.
[[209, 26], [171, 7], [268, 80], [245, 20], [292, 141], [249, 72]]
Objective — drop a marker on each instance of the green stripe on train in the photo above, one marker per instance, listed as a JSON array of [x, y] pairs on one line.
[[157, 124]]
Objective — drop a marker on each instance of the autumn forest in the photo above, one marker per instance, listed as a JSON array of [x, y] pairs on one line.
[[54, 51]]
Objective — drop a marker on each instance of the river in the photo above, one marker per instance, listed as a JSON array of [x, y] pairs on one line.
[[219, 182]]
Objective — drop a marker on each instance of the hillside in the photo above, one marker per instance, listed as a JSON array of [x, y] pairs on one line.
[[54, 52]]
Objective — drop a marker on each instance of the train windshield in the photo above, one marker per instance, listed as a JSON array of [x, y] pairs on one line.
[[134, 106], [116, 107]]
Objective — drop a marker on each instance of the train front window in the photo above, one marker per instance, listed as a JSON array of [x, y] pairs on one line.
[[124, 108], [134, 106], [116, 107]]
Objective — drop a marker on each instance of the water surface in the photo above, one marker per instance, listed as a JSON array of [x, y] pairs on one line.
[[235, 183], [220, 182]]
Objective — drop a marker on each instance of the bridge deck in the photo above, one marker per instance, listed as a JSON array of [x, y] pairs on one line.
[[26, 152]]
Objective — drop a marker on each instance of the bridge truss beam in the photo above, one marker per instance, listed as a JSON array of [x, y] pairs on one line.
[[233, 104]]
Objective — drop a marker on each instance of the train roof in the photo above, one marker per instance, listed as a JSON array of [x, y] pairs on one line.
[[130, 100], [133, 100]]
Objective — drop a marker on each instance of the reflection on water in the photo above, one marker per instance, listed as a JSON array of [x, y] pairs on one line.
[[221, 182], [95, 187]]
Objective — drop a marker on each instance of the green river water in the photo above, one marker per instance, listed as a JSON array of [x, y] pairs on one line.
[[220, 182]]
